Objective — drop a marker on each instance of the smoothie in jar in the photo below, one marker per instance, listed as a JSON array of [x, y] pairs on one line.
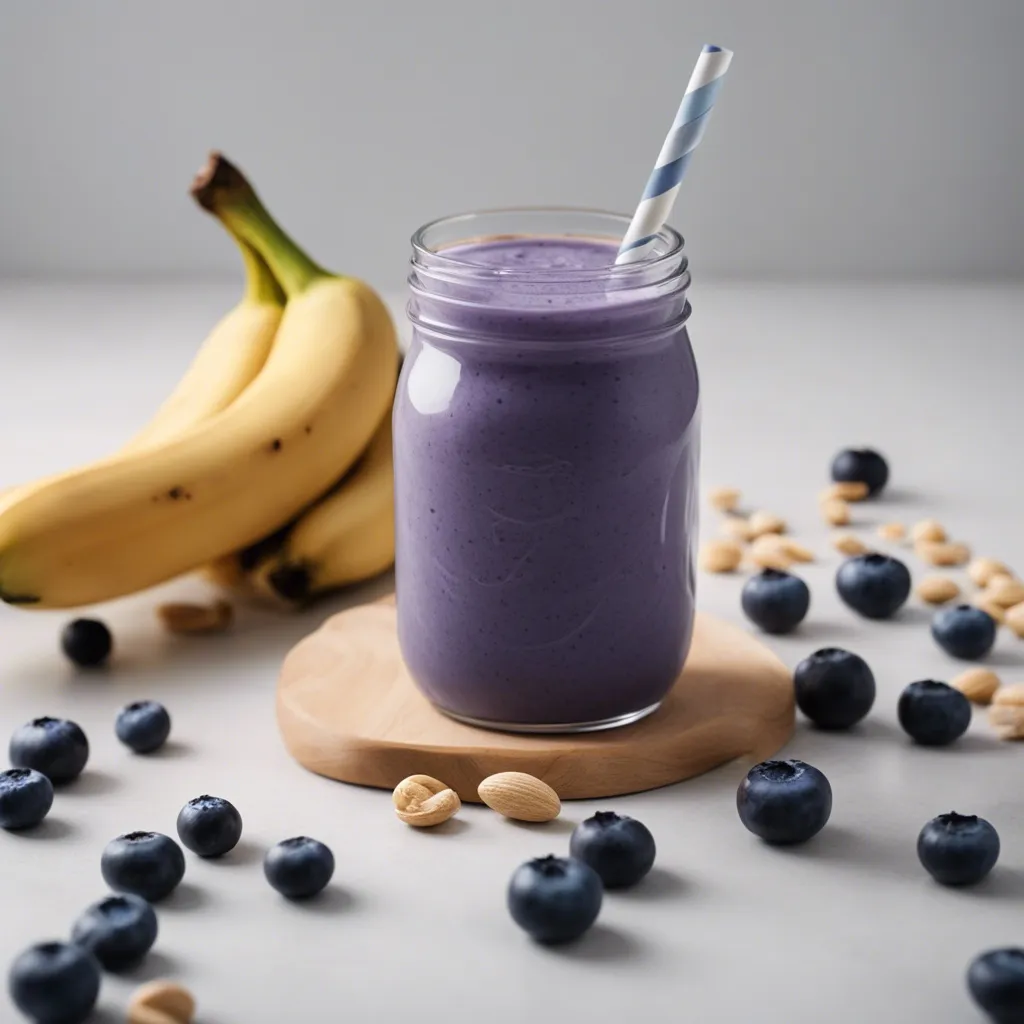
[[546, 449]]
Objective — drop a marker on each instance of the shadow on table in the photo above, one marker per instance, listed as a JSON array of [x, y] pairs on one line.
[[602, 944]]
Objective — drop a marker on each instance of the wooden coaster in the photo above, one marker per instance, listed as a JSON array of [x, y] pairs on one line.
[[348, 709]]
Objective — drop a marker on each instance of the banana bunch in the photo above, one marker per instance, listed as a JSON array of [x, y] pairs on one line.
[[269, 464]]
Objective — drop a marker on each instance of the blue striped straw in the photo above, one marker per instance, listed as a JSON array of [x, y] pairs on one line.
[[683, 138]]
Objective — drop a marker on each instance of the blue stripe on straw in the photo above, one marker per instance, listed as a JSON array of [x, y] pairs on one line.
[[640, 241], [665, 177], [708, 48], [697, 103]]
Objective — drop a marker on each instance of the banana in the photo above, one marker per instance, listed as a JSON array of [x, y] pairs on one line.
[[233, 353], [148, 516]]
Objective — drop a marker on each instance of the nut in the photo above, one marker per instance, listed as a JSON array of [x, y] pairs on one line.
[[848, 544], [769, 552], [942, 552], [161, 1002], [195, 618], [989, 607], [937, 589], [892, 531], [423, 801], [795, 551], [845, 490], [1006, 715], [981, 571], [1004, 591], [977, 684], [720, 556], [520, 796], [725, 499], [1015, 619], [763, 522], [928, 530], [737, 528], [835, 511]]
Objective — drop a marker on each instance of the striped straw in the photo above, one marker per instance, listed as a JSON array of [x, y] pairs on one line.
[[683, 138]]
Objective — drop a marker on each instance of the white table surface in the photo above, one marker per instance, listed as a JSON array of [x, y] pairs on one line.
[[846, 929]]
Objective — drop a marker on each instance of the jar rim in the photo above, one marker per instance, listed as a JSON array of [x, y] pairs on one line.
[[673, 245]]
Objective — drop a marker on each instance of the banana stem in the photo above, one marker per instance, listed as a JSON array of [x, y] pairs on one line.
[[224, 191], [261, 286]]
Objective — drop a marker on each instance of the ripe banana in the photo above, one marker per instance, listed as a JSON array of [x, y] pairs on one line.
[[233, 353], [148, 516]]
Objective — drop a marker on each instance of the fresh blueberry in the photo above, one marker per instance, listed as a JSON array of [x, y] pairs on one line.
[[298, 868], [964, 631], [620, 849], [26, 797], [958, 849], [54, 746], [555, 899], [875, 586], [146, 864], [55, 983], [119, 931], [834, 688], [86, 642], [209, 826], [144, 726], [776, 601], [996, 982], [784, 801], [861, 465], [932, 713]]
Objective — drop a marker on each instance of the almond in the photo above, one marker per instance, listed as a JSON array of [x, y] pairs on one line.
[[720, 556], [520, 796], [737, 528], [763, 522], [796, 551], [1006, 715], [927, 530], [981, 570], [179, 617], [989, 607], [942, 552], [892, 531], [835, 511], [849, 544], [725, 499], [423, 801], [1015, 619], [769, 552], [845, 490], [937, 589], [161, 1002], [977, 684], [1004, 591]]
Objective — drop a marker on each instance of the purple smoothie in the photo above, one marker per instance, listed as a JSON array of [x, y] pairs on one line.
[[546, 447]]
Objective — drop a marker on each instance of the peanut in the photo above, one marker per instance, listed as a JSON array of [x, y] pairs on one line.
[[927, 530], [942, 552], [1006, 715], [423, 801], [981, 571], [1004, 591], [161, 1002], [848, 544], [184, 618], [892, 531], [762, 522], [937, 589], [720, 556], [977, 684], [845, 490], [835, 511], [725, 499], [1015, 619]]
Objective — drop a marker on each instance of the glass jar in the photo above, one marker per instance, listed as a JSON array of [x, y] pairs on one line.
[[546, 454]]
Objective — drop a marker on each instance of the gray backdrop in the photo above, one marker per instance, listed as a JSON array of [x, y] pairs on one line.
[[853, 137]]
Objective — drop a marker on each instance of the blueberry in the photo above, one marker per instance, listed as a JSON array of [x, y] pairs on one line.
[[784, 801], [964, 631], [298, 868], [54, 746], [775, 601], [861, 465], [144, 726], [932, 713], [958, 849], [26, 797], [209, 826], [834, 688], [555, 899], [996, 982], [875, 586], [620, 849], [55, 983], [119, 931], [86, 642], [146, 864]]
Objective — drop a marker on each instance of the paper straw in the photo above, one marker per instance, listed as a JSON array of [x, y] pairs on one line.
[[683, 138]]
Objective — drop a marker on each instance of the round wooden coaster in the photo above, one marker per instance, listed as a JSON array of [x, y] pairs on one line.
[[348, 709]]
